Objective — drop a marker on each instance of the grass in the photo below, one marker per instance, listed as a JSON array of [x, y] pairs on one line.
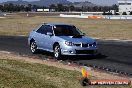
[[21, 74], [14, 74], [104, 29]]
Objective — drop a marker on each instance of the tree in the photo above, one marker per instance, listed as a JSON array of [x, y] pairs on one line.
[[22, 8], [95, 9], [1, 7], [66, 8], [17, 7], [71, 8], [60, 7], [83, 8], [52, 6], [10, 7], [28, 8], [115, 7], [106, 8]]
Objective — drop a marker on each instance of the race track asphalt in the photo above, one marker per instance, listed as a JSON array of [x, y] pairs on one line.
[[115, 56]]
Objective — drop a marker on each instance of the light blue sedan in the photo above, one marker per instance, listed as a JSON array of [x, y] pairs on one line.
[[61, 39]]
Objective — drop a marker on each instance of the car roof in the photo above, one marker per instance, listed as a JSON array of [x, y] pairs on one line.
[[54, 24]]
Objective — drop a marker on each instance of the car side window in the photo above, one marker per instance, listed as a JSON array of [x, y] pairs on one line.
[[42, 29], [48, 29]]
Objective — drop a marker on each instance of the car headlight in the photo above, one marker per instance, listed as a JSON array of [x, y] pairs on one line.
[[69, 43]]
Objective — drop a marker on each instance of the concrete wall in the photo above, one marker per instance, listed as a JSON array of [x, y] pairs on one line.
[[99, 16]]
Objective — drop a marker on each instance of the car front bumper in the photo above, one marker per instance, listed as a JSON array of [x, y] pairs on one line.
[[68, 50]]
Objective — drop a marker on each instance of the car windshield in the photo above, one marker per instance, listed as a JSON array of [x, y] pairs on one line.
[[67, 30]]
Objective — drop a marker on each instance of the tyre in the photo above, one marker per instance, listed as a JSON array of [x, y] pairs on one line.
[[57, 52], [33, 47]]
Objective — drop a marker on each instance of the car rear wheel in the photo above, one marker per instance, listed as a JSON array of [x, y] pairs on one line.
[[33, 47], [57, 52]]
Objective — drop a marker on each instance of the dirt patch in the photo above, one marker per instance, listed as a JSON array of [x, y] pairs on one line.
[[34, 59]]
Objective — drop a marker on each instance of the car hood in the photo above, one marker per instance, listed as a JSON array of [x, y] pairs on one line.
[[83, 39]]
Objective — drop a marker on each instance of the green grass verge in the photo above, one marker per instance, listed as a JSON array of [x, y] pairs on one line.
[[20, 74], [16, 74]]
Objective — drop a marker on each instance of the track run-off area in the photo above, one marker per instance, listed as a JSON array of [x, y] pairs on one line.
[[116, 56]]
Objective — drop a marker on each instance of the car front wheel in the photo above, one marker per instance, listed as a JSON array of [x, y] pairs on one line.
[[33, 47], [57, 52]]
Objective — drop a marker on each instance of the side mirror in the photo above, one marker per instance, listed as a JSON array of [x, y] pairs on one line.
[[84, 34], [49, 33]]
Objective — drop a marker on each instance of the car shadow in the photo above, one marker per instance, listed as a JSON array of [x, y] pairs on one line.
[[45, 53], [72, 58], [89, 57]]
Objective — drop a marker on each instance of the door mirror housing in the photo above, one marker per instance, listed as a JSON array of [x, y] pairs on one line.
[[49, 33], [84, 33]]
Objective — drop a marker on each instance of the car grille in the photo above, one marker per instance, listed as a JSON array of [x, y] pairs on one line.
[[78, 44], [84, 45], [85, 51]]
